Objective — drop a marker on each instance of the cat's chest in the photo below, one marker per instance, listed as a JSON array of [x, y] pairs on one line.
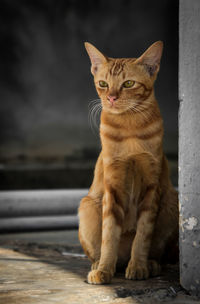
[[118, 141], [125, 143], [120, 146], [122, 137]]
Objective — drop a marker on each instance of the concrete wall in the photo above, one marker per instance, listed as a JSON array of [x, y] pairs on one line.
[[45, 81], [189, 145]]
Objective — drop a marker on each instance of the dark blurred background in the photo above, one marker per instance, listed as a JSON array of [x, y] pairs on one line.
[[46, 86]]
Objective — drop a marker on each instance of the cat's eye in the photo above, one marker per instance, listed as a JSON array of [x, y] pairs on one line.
[[103, 84], [128, 84]]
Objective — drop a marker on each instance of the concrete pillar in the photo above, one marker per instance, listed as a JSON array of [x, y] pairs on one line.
[[189, 144]]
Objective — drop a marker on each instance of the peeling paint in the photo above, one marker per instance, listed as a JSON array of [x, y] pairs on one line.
[[189, 223]]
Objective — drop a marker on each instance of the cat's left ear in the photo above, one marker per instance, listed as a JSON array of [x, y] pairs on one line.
[[96, 57], [151, 58]]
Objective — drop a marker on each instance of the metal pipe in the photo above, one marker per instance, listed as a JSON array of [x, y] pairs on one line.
[[40, 202], [38, 223]]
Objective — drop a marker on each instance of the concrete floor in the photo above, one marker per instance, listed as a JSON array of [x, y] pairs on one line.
[[49, 267], [61, 237]]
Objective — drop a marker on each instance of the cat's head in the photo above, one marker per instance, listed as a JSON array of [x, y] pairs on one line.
[[125, 83]]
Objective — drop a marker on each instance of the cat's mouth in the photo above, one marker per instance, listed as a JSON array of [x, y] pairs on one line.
[[113, 105], [115, 108]]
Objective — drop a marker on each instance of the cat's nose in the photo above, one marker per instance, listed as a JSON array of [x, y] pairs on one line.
[[112, 98]]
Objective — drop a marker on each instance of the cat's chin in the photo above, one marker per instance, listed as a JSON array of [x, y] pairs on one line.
[[113, 110]]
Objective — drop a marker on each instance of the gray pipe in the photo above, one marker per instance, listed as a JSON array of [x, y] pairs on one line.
[[38, 223], [40, 202]]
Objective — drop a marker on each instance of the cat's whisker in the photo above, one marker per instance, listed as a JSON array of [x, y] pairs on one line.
[[143, 113], [96, 116], [144, 108], [136, 110], [94, 111], [141, 108], [93, 102], [90, 118]]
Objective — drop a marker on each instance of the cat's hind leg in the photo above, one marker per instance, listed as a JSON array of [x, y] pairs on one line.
[[164, 246], [90, 214], [90, 217], [154, 268]]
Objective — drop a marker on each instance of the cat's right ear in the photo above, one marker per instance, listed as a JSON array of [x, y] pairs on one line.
[[96, 57]]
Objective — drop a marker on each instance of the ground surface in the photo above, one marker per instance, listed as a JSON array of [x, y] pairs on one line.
[[51, 268]]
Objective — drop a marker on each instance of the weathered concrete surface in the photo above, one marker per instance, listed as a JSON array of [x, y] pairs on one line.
[[61, 237], [189, 145], [53, 272]]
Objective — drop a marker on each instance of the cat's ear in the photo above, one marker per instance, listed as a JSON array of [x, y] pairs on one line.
[[151, 58], [96, 57]]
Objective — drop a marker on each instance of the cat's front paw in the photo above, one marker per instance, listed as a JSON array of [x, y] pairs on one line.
[[137, 271], [99, 277]]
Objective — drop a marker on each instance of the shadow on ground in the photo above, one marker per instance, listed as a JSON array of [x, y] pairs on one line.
[[42, 272]]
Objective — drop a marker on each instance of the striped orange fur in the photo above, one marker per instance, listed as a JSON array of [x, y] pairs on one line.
[[130, 216]]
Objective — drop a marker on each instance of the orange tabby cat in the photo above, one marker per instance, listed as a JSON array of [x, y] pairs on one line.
[[130, 216]]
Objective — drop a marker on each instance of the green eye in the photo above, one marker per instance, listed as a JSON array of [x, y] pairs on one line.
[[103, 84], [128, 84]]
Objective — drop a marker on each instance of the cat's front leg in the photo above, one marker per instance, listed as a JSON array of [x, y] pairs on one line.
[[113, 216], [138, 267]]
